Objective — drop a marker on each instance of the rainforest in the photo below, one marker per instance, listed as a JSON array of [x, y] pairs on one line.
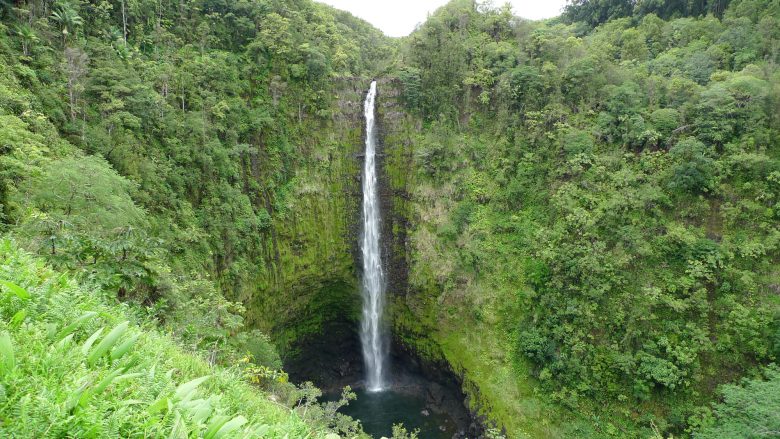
[[266, 218]]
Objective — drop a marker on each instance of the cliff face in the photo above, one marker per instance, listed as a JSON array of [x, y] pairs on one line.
[[307, 294], [307, 290], [397, 130], [430, 323], [415, 314], [308, 277]]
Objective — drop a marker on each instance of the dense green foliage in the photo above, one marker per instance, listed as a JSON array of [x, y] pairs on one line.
[[750, 410], [595, 12], [74, 363], [604, 202], [160, 150]]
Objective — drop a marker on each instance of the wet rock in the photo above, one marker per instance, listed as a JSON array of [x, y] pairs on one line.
[[436, 395], [344, 369]]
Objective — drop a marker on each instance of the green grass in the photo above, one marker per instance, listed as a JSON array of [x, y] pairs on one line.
[[129, 380]]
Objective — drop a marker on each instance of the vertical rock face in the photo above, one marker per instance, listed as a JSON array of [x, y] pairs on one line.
[[318, 313], [396, 129], [307, 284], [310, 301], [412, 327], [313, 304]]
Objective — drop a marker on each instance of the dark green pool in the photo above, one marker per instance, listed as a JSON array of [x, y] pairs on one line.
[[424, 398], [378, 411]]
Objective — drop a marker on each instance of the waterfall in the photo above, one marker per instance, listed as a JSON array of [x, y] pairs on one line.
[[372, 334]]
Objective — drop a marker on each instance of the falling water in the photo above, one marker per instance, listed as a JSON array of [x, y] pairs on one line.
[[372, 328]]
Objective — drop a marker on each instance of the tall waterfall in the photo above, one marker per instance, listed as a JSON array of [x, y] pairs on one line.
[[372, 334]]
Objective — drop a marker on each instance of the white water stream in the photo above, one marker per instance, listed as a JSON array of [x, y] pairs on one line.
[[372, 333]]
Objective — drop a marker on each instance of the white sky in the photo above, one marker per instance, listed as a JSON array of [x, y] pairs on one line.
[[398, 18]]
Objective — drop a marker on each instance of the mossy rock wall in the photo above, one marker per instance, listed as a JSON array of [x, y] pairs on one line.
[[414, 322], [396, 134], [308, 274]]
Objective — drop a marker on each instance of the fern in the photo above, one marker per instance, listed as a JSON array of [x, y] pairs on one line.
[[150, 387], [73, 326], [7, 357], [91, 340]]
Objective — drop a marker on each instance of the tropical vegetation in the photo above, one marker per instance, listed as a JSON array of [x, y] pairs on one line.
[[583, 213]]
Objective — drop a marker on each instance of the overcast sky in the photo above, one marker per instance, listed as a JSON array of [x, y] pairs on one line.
[[398, 18]]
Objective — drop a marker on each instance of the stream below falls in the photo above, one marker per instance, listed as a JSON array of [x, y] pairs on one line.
[[378, 411]]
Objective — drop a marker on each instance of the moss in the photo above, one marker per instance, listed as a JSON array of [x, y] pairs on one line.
[[307, 276], [477, 354]]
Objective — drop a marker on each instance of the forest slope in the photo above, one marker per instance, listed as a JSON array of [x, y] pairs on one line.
[[594, 209], [193, 161], [195, 158]]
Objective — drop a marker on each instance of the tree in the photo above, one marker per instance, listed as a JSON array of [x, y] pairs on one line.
[[595, 12], [750, 409], [83, 216], [76, 68], [411, 91], [28, 38], [68, 19], [86, 193], [22, 153], [694, 171]]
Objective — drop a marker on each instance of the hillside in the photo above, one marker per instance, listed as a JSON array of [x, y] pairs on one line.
[[592, 210], [77, 364], [199, 136], [157, 152]]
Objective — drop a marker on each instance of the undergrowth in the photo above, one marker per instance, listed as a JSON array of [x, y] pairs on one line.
[[74, 365]]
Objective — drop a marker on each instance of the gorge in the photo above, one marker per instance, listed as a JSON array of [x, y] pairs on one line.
[[393, 385], [513, 228]]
